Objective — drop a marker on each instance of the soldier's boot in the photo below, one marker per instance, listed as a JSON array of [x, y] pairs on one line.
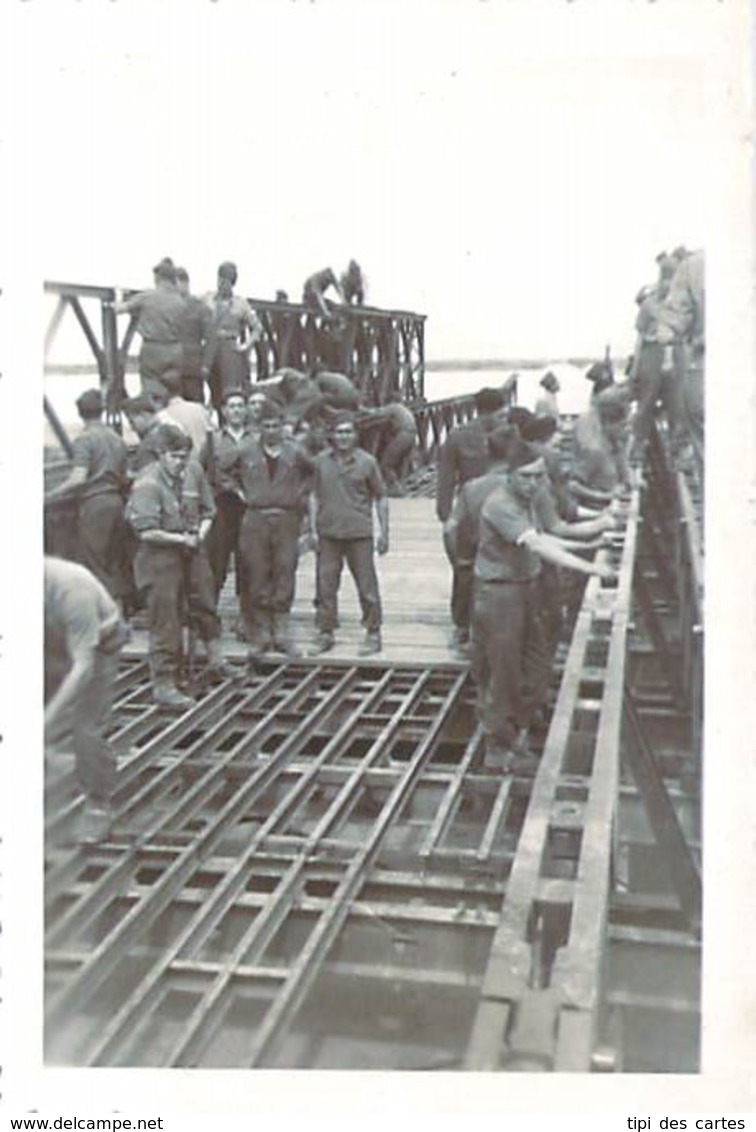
[[282, 641], [167, 695], [217, 665]]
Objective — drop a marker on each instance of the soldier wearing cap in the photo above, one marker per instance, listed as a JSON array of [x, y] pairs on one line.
[[511, 664], [599, 466], [170, 509], [235, 329], [462, 457], [273, 475], [161, 315], [99, 479]]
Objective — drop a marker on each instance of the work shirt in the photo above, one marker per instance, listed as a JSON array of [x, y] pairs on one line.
[[547, 406], [159, 503], [104, 457], [345, 488], [161, 314], [226, 449], [501, 556], [197, 333], [286, 488], [193, 418], [462, 457], [462, 528], [319, 282], [231, 316], [400, 419], [682, 316], [80, 616], [647, 320]]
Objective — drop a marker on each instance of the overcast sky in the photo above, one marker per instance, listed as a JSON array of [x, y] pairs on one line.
[[509, 169]]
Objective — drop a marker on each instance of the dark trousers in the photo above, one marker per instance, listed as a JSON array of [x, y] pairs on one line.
[[230, 370], [154, 359], [102, 541], [85, 722], [653, 384], [462, 595], [511, 665], [269, 544], [223, 541], [180, 590], [358, 553]]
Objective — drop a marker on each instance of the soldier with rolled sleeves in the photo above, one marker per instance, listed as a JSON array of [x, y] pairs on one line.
[[84, 634], [99, 479], [141, 415], [511, 665], [462, 457], [274, 475], [196, 341], [171, 509], [347, 485], [235, 328], [161, 314]]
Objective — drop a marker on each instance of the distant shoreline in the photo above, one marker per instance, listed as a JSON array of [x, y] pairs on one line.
[[439, 366]]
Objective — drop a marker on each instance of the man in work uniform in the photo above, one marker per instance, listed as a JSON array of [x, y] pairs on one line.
[[274, 475], [220, 458], [192, 417], [647, 375], [196, 341], [235, 330], [347, 483], [599, 463], [171, 509], [161, 314], [462, 457], [399, 436], [681, 323], [511, 665], [546, 405], [99, 478], [83, 638]]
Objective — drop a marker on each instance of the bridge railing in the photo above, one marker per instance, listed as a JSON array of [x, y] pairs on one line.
[[382, 351]]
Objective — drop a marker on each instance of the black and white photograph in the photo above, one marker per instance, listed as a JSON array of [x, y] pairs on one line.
[[379, 640]]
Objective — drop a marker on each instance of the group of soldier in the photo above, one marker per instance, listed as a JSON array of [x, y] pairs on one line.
[[285, 468]]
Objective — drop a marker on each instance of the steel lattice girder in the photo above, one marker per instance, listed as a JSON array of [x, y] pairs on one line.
[[310, 868]]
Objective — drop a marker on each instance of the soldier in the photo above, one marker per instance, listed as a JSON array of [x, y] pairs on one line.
[[682, 324], [141, 415], [462, 457], [347, 484], [193, 418], [84, 634], [161, 315], [274, 476], [647, 376], [236, 328], [220, 459], [546, 404], [99, 479], [511, 662], [171, 509]]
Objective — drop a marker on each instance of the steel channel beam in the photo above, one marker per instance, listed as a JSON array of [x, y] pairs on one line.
[[509, 973], [306, 968], [253, 942], [234, 880], [107, 955]]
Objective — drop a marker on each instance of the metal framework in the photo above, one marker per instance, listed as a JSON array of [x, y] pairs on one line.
[[382, 351], [311, 868]]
